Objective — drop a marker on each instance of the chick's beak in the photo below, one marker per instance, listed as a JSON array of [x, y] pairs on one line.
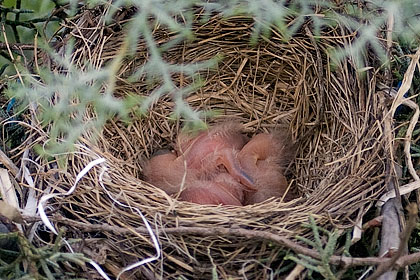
[[227, 158]]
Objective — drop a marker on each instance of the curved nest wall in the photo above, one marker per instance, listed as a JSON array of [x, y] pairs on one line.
[[332, 113]]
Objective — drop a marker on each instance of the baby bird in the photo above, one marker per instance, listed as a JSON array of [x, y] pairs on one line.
[[209, 192], [231, 185], [167, 171], [196, 158], [218, 166], [226, 135], [216, 147], [264, 158]]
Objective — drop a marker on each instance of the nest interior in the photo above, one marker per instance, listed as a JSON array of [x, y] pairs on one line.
[[331, 111]]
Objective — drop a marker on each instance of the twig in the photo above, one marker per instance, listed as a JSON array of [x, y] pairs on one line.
[[389, 33], [406, 83], [16, 46], [12, 59], [5, 160], [390, 263], [375, 222], [390, 233], [399, 99], [408, 136], [238, 232], [393, 219], [401, 191], [17, 18], [295, 272], [31, 23], [5, 10]]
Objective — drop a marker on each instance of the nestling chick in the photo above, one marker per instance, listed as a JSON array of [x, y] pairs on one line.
[[231, 185], [209, 192], [167, 172], [199, 157], [218, 166], [214, 148], [264, 158], [223, 135]]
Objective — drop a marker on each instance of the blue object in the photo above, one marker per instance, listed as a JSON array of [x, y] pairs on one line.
[[10, 105], [398, 110]]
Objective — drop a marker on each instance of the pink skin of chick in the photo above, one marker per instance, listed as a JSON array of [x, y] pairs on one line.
[[167, 171], [209, 193], [264, 158], [214, 148]]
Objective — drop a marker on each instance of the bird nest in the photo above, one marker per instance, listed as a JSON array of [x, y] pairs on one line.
[[331, 111]]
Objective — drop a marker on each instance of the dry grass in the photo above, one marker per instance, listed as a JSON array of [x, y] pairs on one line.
[[334, 115]]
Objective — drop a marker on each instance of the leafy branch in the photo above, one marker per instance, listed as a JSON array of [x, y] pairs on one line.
[[371, 22], [63, 100], [42, 263], [64, 96], [321, 265]]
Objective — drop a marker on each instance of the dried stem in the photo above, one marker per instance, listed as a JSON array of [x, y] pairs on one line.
[[390, 263], [396, 261]]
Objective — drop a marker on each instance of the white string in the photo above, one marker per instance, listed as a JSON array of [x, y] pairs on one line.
[[45, 198], [82, 173], [146, 223]]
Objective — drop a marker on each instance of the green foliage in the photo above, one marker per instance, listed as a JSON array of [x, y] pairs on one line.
[[40, 263], [22, 20], [414, 247], [63, 97], [371, 21], [325, 249]]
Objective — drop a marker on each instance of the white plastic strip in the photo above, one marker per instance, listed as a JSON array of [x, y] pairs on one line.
[[403, 190], [94, 264], [30, 207], [45, 198], [82, 173], [31, 200], [146, 223]]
